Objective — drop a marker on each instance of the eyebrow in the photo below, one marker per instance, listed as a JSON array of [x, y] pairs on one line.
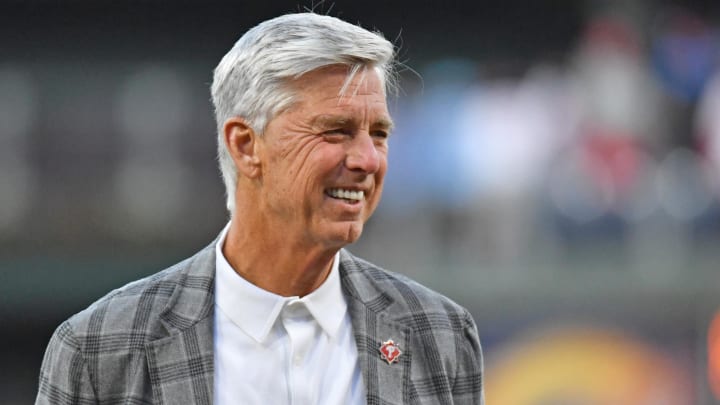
[[330, 121]]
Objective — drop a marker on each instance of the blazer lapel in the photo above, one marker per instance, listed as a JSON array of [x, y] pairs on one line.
[[385, 383], [180, 365]]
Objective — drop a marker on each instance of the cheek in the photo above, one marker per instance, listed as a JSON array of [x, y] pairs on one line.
[[314, 169], [379, 183], [324, 159], [293, 161], [380, 175]]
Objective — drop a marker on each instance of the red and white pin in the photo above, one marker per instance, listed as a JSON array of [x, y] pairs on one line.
[[390, 351]]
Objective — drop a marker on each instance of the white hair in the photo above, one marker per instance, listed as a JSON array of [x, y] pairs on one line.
[[251, 81]]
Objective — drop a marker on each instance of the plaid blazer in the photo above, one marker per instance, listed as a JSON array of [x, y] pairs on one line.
[[151, 341]]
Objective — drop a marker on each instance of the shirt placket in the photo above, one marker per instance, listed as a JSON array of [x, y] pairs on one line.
[[301, 329]]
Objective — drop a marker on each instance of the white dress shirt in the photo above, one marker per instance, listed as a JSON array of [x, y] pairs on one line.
[[271, 349]]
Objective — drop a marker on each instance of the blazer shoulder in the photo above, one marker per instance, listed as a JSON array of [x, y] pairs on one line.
[[137, 305], [410, 298], [443, 336]]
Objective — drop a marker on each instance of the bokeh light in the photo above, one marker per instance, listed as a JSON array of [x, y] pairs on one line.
[[586, 365]]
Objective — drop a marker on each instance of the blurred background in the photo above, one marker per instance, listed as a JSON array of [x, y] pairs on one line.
[[555, 169]]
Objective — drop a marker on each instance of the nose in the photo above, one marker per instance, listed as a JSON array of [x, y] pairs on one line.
[[362, 154]]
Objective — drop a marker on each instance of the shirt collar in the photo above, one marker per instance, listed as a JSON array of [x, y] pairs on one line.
[[255, 310]]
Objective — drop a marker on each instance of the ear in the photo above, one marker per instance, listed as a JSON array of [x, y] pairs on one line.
[[241, 141]]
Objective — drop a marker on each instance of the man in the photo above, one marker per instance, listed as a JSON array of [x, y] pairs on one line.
[[275, 311]]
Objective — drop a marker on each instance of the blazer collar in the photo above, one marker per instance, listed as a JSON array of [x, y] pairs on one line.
[[180, 365], [193, 298], [369, 307]]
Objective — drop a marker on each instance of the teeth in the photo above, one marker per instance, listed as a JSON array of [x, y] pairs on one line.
[[347, 194]]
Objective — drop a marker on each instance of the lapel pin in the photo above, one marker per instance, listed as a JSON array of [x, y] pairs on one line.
[[390, 351]]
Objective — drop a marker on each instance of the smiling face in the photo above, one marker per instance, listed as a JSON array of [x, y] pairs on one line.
[[323, 161]]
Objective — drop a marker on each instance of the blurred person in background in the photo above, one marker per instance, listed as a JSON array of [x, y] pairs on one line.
[[275, 310]]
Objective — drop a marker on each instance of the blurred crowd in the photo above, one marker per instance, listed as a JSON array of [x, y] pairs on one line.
[[616, 141]]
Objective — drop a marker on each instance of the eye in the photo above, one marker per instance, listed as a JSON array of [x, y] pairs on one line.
[[381, 134], [336, 134]]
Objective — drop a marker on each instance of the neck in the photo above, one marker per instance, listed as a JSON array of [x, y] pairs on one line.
[[275, 262]]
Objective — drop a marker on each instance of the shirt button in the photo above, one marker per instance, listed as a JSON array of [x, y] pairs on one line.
[[297, 359]]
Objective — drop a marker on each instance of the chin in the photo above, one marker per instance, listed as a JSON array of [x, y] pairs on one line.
[[346, 234]]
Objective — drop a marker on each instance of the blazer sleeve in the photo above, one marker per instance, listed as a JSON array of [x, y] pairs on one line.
[[468, 385], [64, 375]]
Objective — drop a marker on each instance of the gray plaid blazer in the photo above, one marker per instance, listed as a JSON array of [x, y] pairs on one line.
[[151, 341]]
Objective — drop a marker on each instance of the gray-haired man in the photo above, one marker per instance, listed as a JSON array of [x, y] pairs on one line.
[[275, 311]]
